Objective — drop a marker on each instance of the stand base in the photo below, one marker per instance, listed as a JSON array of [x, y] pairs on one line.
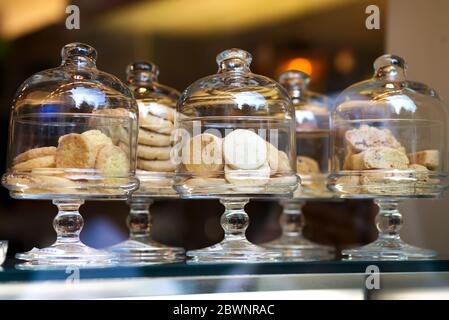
[[233, 251], [132, 252], [61, 255], [297, 248], [388, 249]]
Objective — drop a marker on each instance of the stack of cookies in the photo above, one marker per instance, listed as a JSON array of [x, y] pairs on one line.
[[156, 124], [376, 153], [241, 162], [89, 150]]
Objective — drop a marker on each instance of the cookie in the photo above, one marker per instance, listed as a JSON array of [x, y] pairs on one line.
[[428, 158], [155, 139], [244, 149], [34, 153], [156, 165], [40, 162], [153, 153], [203, 154], [111, 122], [158, 110], [379, 158], [80, 150], [306, 165], [255, 177], [278, 160], [112, 161], [156, 124], [367, 137]]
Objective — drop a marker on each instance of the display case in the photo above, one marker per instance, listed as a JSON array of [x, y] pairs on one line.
[[312, 113], [155, 169], [235, 141], [64, 145], [389, 143]]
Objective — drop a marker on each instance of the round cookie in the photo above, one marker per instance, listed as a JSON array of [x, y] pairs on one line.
[[41, 162], [34, 153], [156, 165], [244, 149], [112, 161], [153, 153], [278, 160], [256, 177], [156, 124], [203, 154], [155, 139], [158, 110]]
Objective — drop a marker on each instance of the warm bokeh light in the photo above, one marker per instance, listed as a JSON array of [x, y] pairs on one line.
[[299, 64]]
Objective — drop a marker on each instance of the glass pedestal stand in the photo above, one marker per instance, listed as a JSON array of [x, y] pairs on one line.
[[68, 250], [234, 247], [140, 248], [293, 245], [389, 245]]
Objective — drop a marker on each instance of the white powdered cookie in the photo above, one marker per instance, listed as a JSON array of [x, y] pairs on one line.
[[203, 154], [40, 162], [112, 161], [156, 165], [306, 165], [428, 158], [367, 137], [34, 153], [153, 153], [255, 177], [244, 149], [156, 124], [379, 158], [278, 160], [155, 139]]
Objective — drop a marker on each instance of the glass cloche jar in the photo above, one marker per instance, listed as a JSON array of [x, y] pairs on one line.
[[312, 113], [389, 142], [155, 170], [64, 145], [235, 141]]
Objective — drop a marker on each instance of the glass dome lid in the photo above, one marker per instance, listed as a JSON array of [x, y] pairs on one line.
[[236, 130], [64, 132], [234, 91], [157, 109], [312, 113], [389, 136]]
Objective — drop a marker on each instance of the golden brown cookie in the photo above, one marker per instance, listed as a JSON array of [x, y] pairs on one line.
[[34, 153], [155, 139], [75, 151], [203, 154], [379, 158], [306, 165], [367, 137], [428, 158], [156, 124], [153, 153], [41, 162], [156, 165], [158, 110], [112, 161], [278, 160]]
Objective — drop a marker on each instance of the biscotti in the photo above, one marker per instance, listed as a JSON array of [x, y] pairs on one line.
[[428, 158], [379, 158]]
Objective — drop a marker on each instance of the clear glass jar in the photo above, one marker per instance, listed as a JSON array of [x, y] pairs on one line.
[[155, 170], [64, 145], [312, 113], [389, 142], [235, 141]]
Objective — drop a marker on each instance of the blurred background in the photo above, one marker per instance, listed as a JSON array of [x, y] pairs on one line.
[[326, 38]]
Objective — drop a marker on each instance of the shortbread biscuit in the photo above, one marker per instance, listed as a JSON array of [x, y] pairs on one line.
[[158, 110], [112, 161], [53, 182], [244, 149], [210, 185], [428, 158], [379, 158], [278, 160], [306, 165], [41, 162], [80, 150], [156, 124], [254, 177], [155, 139], [34, 153], [367, 137], [153, 153], [156, 165], [203, 154]]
